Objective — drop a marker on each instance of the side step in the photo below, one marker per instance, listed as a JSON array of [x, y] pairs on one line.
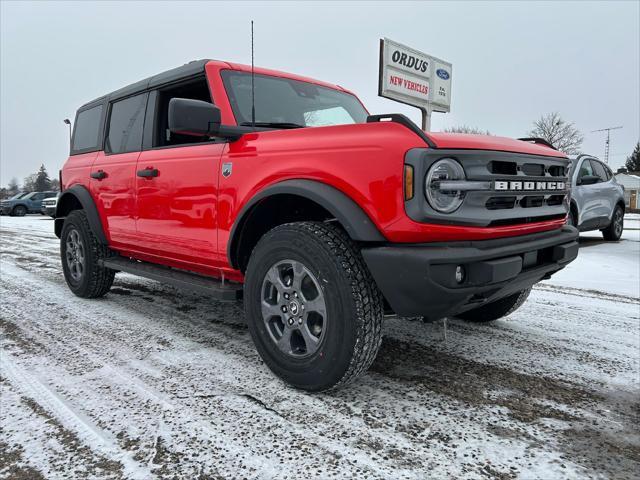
[[177, 278]]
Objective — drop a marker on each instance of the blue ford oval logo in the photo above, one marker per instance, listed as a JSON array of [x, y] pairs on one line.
[[442, 73]]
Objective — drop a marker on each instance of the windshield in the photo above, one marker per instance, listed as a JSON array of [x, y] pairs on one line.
[[18, 195], [289, 102]]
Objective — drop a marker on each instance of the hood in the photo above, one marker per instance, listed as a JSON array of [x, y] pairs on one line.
[[469, 141]]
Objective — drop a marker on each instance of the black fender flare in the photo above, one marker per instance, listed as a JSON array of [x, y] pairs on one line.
[[72, 196], [353, 219]]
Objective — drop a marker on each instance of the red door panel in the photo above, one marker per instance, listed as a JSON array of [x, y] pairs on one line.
[[114, 194], [177, 208]]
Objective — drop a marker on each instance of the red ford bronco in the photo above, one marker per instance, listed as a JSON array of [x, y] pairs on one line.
[[210, 178]]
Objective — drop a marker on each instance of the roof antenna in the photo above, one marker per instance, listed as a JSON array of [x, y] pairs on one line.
[[253, 91]]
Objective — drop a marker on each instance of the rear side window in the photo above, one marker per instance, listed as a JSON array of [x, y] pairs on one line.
[[126, 123], [87, 129], [598, 169]]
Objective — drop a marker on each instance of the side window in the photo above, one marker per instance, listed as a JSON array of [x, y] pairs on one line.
[[585, 169], [37, 197], [194, 89], [125, 125], [598, 169], [87, 129]]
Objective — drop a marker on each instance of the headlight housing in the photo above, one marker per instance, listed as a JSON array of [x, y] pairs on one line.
[[444, 201]]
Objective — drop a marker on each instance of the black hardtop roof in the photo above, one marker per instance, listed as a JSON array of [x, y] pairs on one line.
[[187, 70]]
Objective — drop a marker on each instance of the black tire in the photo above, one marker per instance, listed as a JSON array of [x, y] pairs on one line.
[[614, 231], [93, 280], [352, 329], [495, 310], [19, 211]]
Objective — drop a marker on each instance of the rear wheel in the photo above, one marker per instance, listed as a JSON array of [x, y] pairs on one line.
[[614, 231], [498, 309], [19, 211], [314, 312], [81, 253]]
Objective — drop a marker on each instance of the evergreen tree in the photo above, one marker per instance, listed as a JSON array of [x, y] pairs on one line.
[[633, 161], [42, 181]]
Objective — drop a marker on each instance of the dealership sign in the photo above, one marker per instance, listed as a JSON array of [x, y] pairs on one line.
[[415, 78]]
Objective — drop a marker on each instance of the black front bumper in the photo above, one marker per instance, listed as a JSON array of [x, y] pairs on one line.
[[421, 279]]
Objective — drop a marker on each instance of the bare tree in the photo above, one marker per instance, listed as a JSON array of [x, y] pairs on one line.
[[13, 187], [467, 129], [559, 133]]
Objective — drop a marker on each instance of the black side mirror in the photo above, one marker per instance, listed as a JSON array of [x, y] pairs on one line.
[[193, 117], [589, 180]]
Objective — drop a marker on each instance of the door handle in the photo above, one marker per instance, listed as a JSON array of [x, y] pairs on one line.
[[99, 175], [148, 173]]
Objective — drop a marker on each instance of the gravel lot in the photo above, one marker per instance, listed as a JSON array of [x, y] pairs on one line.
[[150, 382]]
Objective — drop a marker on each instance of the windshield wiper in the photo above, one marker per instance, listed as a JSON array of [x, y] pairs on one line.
[[272, 124]]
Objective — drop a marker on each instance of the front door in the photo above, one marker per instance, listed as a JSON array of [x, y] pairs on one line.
[[177, 192], [113, 170]]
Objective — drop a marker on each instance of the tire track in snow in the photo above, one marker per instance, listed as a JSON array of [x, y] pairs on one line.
[[69, 416]]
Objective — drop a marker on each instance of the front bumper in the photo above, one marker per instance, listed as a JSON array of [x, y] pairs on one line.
[[48, 210], [420, 279], [5, 209]]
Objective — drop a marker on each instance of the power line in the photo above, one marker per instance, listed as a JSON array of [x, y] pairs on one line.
[[607, 141]]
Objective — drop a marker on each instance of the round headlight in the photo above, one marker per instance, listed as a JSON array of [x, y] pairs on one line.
[[445, 201]]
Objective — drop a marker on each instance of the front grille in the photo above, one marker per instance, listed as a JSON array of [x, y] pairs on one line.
[[512, 187]]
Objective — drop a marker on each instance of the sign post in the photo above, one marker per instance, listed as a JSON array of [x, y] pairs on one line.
[[409, 76]]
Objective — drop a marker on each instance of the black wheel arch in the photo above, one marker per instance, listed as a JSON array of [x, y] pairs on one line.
[[78, 197], [337, 204]]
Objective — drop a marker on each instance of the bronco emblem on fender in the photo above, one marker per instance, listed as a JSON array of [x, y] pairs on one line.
[[226, 169]]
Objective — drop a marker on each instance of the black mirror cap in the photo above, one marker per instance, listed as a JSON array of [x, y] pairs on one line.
[[589, 179], [193, 117]]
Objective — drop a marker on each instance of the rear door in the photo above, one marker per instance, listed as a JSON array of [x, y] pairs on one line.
[[606, 193], [177, 186], [113, 172]]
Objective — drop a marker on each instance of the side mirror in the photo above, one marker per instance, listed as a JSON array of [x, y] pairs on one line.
[[193, 117], [589, 180]]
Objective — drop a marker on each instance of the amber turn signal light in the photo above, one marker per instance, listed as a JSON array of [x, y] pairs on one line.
[[408, 182]]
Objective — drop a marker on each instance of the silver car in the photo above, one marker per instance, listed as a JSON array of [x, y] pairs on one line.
[[597, 199]]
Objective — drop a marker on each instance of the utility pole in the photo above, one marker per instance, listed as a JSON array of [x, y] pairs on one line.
[[607, 141]]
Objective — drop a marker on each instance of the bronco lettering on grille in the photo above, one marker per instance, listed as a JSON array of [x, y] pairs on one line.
[[503, 185]]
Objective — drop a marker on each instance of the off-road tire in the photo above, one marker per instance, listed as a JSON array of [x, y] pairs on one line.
[[354, 305], [96, 279], [19, 211], [495, 310], [613, 232]]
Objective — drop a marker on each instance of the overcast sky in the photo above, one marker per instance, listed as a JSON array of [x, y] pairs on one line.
[[512, 62]]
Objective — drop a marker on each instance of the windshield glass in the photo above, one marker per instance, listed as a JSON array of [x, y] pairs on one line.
[[285, 101], [18, 195]]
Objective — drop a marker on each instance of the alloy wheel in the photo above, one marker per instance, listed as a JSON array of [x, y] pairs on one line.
[[293, 308], [75, 255]]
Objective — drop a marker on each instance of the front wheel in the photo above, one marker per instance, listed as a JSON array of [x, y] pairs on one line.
[[19, 211], [81, 254], [498, 309], [314, 312], [614, 231]]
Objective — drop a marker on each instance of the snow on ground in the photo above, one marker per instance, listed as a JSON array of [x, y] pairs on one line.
[[603, 266], [151, 382]]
